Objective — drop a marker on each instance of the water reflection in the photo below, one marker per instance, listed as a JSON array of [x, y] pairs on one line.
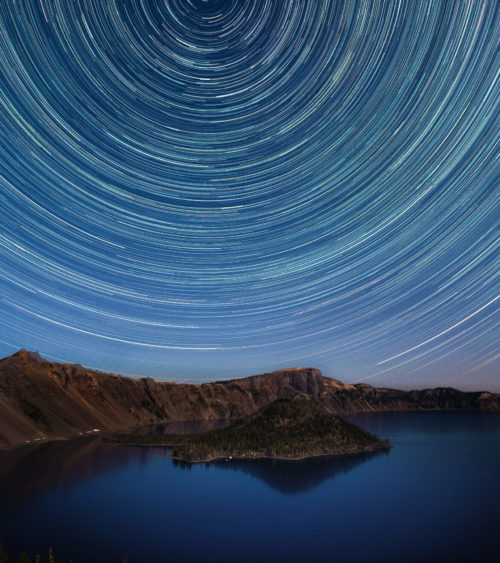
[[293, 476], [429, 423], [183, 426], [27, 471], [434, 497], [31, 470]]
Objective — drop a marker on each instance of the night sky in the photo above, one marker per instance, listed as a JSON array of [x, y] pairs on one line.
[[200, 189]]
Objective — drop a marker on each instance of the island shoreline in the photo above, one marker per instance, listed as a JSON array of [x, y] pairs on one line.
[[278, 458]]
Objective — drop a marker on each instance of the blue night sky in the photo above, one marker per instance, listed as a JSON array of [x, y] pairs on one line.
[[200, 189]]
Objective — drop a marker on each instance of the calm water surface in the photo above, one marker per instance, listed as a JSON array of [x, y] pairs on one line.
[[434, 497]]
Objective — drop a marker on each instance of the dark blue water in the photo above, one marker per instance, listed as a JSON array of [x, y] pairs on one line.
[[434, 497]]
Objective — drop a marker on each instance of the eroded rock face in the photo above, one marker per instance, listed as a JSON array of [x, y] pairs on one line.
[[46, 400]]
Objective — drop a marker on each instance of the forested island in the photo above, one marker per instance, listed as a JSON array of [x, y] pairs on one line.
[[286, 429]]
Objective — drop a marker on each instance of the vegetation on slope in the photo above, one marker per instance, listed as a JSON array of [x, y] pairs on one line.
[[286, 429]]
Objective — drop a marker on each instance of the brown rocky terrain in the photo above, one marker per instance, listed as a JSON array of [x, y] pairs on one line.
[[47, 400]]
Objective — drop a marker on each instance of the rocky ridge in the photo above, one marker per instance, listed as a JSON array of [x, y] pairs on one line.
[[41, 400]]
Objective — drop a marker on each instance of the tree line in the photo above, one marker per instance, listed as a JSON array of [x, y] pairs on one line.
[[25, 558]]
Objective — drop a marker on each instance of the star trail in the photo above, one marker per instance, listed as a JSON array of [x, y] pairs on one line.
[[193, 189]]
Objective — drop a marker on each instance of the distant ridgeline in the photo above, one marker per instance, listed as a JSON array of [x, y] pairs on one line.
[[42, 400]]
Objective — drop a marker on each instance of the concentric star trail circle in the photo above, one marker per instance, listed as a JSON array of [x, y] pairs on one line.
[[193, 188]]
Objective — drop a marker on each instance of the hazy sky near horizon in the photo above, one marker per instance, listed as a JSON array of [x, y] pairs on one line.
[[194, 189]]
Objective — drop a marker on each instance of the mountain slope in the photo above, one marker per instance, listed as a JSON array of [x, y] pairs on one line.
[[46, 400]]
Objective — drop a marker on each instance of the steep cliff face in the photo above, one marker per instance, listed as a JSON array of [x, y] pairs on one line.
[[45, 400]]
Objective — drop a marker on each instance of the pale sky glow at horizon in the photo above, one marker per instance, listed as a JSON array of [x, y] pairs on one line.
[[203, 189]]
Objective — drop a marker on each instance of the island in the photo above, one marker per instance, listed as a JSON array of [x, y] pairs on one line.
[[290, 429]]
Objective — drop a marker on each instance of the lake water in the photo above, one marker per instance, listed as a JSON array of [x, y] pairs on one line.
[[434, 497]]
